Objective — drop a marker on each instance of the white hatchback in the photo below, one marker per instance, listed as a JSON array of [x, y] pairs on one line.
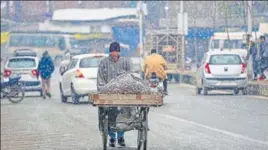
[[79, 77], [26, 66], [222, 70]]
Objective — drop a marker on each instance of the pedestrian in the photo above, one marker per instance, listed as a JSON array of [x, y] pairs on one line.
[[263, 57], [45, 69], [109, 68], [254, 55]]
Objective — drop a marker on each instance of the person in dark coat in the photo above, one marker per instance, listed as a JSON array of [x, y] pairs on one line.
[[109, 68], [254, 54], [263, 56], [45, 69]]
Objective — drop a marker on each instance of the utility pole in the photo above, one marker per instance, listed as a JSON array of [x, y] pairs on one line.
[[11, 10], [48, 9], [167, 17], [80, 4], [7, 10], [249, 17], [140, 10], [182, 44]]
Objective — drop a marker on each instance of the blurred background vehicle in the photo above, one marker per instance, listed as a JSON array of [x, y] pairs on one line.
[[25, 52], [79, 77], [136, 62], [55, 43]]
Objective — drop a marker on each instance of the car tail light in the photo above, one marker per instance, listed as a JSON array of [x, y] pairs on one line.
[[34, 72], [79, 74], [7, 73], [153, 85], [207, 69], [244, 67]]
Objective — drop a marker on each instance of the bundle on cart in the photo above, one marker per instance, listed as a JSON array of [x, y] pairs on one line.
[[127, 83]]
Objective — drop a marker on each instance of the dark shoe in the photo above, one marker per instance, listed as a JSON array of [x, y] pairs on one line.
[[44, 97], [49, 95], [121, 142], [165, 92], [112, 143]]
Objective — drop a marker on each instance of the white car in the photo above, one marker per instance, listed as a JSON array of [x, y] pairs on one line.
[[26, 66], [79, 77], [223, 70]]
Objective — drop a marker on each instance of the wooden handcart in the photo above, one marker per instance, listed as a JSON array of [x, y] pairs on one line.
[[142, 103]]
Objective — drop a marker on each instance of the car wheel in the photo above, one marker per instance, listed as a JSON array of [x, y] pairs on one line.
[[198, 91], [236, 91], [63, 98], [205, 91], [244, 91], [75, 97]]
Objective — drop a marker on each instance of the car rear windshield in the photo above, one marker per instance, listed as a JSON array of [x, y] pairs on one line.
[[21, 63], [90, 62], [226, 59]]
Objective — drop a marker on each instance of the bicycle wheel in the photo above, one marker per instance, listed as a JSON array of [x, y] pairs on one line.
[[16, 94]]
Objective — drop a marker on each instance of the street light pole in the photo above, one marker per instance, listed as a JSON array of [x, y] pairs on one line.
[[182, 44], [166, 10], [141, 26], [249, 17], [48, 6]]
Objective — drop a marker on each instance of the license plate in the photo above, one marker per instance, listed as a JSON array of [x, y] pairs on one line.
[[154, 89], [26, 77], [227, 83]]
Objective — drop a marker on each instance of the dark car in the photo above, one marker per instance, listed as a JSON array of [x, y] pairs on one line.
[[25, 52]]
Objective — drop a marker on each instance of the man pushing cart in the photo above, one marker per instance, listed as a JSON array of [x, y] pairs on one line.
[[113, 106]]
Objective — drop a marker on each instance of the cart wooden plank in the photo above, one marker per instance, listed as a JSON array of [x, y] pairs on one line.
[[126, 99]]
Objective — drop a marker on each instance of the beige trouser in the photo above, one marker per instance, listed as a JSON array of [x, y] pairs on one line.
[[46, 86]]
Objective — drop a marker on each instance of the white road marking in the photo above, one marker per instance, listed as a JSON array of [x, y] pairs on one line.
[[235, 135]]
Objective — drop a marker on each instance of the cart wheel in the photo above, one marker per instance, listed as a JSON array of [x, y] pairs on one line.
[[142, 133], [140, 139], [105, 132], [101, 118], [145, 128]]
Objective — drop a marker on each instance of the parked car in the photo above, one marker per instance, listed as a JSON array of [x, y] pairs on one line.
[[79, 77], [26, 67], [222, 70]]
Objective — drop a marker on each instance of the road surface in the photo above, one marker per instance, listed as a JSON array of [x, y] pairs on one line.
[[186, 121]]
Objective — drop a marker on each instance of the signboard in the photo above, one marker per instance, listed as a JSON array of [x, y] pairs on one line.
[[169, 48], [263, 28], [182, 23]]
